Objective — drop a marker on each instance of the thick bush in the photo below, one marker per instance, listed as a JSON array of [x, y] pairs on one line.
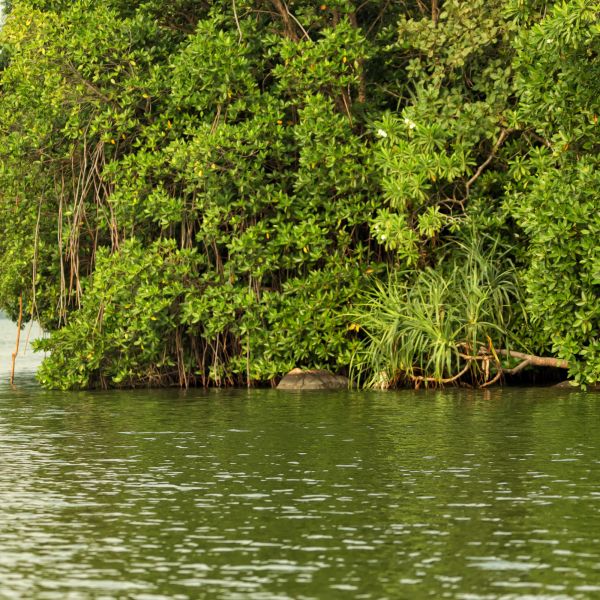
[[242, 172]]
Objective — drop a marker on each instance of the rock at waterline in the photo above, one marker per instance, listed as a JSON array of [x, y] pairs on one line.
[[312, 379]]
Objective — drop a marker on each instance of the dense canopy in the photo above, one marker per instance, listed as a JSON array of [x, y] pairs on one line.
[[215, 192]]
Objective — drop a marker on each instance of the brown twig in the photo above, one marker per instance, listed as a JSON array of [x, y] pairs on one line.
[[377, 18], [422, 7], [96, 91], [16, 352], [285, 15], [489, 354], [501, 139], [492, 381], [300, 25], [539, 138], [237, 21], [435, 11], [421, 378]]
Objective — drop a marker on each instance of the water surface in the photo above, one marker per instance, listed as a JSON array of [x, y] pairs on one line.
[[149, 495]]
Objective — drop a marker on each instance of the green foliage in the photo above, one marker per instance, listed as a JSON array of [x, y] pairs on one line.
[[553, 195], [455, 102], [223, 333], [116, 337], [229, 154], [422, 326], [560, 212], [239, 171]]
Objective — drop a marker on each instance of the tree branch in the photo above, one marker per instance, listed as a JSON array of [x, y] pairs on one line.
[[237, 21], [289, 19], [90, 86], [435, 11], [420, 378], [517, 369], [536, 361], [503, 135]]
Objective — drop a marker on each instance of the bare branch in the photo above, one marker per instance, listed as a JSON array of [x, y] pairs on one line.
[[237, 21], [289, 19], [377, 18], [435, 11], [539, 138], [420, 378], [493, 380], [422, 7], [517, 369], [16, 352], [503, 135], [300, 25], [90, 86], [536, 361]]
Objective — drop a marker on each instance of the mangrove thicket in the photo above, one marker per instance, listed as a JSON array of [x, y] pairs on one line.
[[214, 192]]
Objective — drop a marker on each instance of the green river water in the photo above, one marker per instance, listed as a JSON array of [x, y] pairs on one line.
[[153, 495]]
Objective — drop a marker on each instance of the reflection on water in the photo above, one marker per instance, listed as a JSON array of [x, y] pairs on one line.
[[261, 494]]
